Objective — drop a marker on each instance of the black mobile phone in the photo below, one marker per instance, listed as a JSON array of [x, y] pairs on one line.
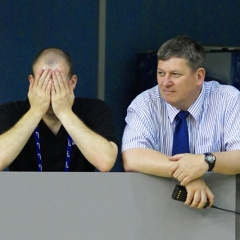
[[180, 194]]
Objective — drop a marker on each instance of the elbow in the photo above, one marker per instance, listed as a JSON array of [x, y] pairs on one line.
[[3, 165], [106, 165], [127, 164], [104, 169], [107, 162], [126, 167]]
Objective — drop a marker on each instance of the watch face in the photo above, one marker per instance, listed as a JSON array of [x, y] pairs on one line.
[[211, 158]]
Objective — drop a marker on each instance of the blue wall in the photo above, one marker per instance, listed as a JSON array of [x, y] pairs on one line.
[[139, 26], [26, 27]]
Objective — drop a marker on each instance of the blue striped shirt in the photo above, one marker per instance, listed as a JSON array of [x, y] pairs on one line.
[[213, 122]]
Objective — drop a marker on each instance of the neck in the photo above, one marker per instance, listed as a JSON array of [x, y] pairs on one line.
[[52, 122]]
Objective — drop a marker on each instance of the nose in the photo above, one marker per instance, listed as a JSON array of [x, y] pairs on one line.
[[166, 81]]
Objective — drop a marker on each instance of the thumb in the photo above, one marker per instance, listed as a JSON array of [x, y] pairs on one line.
[[175, 157]]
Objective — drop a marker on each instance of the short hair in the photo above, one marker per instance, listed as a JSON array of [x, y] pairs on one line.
[[183, 47], [53, 54]]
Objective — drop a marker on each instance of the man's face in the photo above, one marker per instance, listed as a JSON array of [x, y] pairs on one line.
[[179, 85], [60, 65]]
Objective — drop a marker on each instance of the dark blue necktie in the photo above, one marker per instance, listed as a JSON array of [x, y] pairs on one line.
[[180, 137]]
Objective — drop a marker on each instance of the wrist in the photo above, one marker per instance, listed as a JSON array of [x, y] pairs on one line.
[[36, 113], [63, 114]]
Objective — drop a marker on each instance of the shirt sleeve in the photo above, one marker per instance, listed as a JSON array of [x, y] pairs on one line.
[[232, 123], [139, 130]]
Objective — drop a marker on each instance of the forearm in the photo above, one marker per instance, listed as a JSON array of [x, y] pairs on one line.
[[13, 141], [227, 162], [146, 161], [97, 150]]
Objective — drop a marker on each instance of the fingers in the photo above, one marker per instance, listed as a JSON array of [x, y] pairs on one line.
[[49, 86], [189, 199], [210, 198], [42, 78], [199, 195], [62, 96], [45, 80], [42, 81], [176, 157], [175, 166], [59, 82], [197, 199], [187, 167], [37, 77], [56, 86], [183, 177]]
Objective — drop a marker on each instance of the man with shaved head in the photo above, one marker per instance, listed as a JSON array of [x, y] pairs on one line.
[[52, 130]]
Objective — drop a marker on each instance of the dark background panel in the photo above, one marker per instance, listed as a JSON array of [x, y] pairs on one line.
[[27, 27]]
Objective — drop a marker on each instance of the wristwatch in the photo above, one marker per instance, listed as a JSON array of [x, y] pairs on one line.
[[210, 160]]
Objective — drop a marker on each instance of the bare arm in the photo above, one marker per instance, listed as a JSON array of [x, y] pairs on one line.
[[227, 162], [13, 141], [191, 166], [155, 163], [147, 161], [97, 150]]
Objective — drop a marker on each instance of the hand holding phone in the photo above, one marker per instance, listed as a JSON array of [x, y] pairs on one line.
[[180, 194]]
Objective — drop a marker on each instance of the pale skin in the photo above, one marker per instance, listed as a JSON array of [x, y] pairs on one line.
[[180, 86], [51, 98]]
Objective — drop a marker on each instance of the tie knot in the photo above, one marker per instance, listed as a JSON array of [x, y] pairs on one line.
[[182, 114]]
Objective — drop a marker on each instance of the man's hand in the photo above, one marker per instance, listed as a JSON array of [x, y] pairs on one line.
[[187, 167], [62, 96], [39, 91], [198, 193]]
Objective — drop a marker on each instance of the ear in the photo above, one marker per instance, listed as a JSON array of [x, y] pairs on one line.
[[200, 76], [73, 81], [30, 79]]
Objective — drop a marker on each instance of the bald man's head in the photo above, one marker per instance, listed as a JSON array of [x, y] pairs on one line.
[[51, 56]]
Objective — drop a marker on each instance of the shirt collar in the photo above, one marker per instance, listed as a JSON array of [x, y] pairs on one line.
[[195, 109]]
